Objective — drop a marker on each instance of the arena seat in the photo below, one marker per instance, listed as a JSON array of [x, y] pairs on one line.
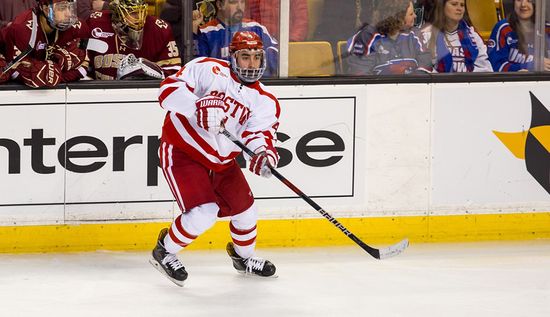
[[483, 14], [310, 59], [341, 48], [314, 8]]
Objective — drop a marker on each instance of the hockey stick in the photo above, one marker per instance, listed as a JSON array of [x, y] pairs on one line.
[[30, 47], [390, 251]]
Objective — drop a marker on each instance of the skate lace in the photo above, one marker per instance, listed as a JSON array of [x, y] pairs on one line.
[[254, 264], [172, 261]]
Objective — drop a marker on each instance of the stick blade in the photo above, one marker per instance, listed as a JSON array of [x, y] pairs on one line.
[[97, 46], [394, 250]]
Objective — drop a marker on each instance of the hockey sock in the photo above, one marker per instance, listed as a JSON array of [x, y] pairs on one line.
[[244, 240], [188, 226]]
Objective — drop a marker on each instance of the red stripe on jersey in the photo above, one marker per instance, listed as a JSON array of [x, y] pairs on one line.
[[200, 141], [214, 60], [172, 136], [167, 81], [165, 93], [182, 231], [244, 243], [176, 240], [257, 86], [239, 231], [180, 71]]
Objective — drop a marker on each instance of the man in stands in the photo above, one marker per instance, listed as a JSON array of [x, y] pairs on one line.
[[205, 97], [55, 55], [139, 46], [215, 36]]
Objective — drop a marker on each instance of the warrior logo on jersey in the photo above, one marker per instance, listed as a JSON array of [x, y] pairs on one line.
[[533, 145]]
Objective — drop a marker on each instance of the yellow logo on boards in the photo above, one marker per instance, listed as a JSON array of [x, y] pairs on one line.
[[532, 145]]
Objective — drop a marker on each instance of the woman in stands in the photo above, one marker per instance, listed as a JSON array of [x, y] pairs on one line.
[[453, 41], [511, 46], [390, 46]]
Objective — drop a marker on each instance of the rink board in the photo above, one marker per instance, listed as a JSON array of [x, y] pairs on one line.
[[441, 160], [282, 233]]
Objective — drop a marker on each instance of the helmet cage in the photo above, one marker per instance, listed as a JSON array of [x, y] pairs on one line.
[[133, 16], [128, 21], [248, 75]]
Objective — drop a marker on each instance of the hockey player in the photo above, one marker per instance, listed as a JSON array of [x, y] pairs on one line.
[[133, 38], [204, 97], [215, 36], [55, 56]]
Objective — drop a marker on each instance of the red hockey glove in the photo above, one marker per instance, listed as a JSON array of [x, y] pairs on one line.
[[211, 113], [261, 162], [35, 73], [68, 57]]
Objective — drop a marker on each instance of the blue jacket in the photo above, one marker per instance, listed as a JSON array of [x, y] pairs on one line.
[[503, 49], [214, 38]]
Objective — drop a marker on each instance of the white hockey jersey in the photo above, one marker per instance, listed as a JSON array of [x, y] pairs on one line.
[[253, 112]]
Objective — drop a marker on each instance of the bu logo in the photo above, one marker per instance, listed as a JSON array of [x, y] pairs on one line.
[[217, 71]]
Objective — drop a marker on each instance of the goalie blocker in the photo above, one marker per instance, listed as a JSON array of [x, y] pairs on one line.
[[132, 67]]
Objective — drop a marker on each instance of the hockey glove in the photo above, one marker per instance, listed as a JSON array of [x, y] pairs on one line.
[[69, 57], [132, 67], [211, 113], [35, 73], [264, 158]]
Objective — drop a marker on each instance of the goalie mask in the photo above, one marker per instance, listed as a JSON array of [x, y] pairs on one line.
[[248, 58], [128, 18], [60, 14]]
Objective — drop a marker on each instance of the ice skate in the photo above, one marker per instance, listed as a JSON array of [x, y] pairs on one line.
[[251, 266], [166, 263]]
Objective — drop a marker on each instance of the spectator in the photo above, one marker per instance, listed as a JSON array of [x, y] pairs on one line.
[[57, 56], [145, 43], [453, 41], [214, 37], [9, 9], [390, 47], [511, 45], [267, 12], [86, 7], [203, 11]]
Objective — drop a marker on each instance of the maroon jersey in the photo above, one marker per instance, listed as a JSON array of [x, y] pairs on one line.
[[18, 34], [158, 46]]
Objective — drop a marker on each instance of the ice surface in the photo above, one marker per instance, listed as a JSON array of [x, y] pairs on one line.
[[473, 279]]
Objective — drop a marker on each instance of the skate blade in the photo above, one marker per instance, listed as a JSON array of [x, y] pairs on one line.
[[157, 266], [252, 275]]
